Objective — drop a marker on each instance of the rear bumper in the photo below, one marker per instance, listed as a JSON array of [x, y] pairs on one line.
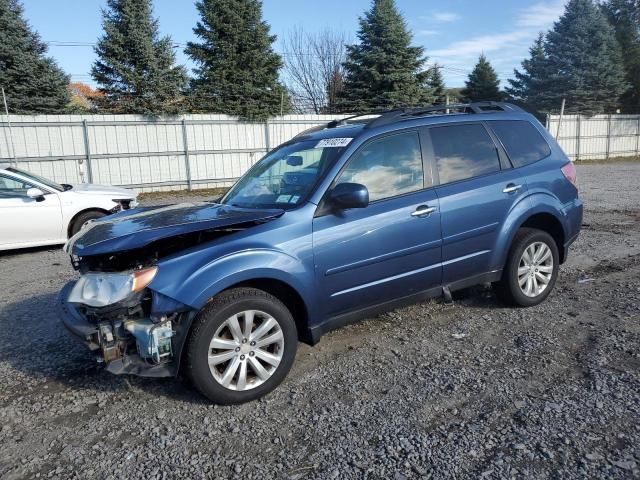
[[573, 219]]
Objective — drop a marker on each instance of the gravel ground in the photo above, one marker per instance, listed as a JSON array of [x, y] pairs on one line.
[[470, 390]]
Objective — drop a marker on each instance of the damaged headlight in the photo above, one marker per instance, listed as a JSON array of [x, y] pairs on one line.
[[102, 289]]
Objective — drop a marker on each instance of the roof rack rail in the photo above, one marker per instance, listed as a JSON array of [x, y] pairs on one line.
[[390, 116], [456, 109], [338, 122]]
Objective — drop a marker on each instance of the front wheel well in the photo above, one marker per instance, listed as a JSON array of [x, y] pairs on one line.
[[550, 224], [75, 217], [287, 295]]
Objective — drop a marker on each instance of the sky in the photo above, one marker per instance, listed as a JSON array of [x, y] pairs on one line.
[[453, 32]]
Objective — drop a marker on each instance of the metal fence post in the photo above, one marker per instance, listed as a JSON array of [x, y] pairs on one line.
[[638, 138], [578, 130], [267, 135], [187, 160], [608, 137], [87, 151]]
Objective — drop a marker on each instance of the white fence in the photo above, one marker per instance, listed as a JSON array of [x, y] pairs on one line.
[[199, 151], [598, 137], [194, 151]]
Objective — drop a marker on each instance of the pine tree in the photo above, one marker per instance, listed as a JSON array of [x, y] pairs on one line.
[[529, 86], [136, 68], [624, 15], [237, 69], [383, 70], [483, 83], [585, 63], [436, 84], [33, 83]]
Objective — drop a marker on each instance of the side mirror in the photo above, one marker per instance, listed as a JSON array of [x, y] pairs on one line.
[[349, 195], [36, 194]]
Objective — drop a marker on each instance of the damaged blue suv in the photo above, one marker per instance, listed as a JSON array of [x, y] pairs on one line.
[[345, 220]]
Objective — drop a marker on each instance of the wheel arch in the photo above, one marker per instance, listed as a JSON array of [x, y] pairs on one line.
[[550, 224], [77, 214]]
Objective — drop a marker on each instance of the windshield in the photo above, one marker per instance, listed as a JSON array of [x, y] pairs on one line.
[[286, 176], [38, 178]]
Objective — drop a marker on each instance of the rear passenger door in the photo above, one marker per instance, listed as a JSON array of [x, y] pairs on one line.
[[476, 188]]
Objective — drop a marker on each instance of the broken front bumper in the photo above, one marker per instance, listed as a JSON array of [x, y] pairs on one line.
[[117, 343]]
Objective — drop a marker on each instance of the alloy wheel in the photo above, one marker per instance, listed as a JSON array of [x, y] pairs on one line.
[[246, 350], [535, 269]]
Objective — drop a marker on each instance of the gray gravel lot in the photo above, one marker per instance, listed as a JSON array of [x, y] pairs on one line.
[[472, 390]]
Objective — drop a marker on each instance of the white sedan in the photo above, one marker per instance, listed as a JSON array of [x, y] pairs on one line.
[[35, 211]]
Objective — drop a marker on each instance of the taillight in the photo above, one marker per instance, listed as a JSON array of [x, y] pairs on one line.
[[569, 171]]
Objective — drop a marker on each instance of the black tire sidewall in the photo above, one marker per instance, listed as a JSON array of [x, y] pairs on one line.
[[85, 217], [526, 238], [210, 319]]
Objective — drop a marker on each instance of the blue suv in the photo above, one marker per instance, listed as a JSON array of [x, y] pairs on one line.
[[345, 220]]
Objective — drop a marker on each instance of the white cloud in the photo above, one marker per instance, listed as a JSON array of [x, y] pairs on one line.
[[445, 16], [476, 45], [541, 15], [511, 46]]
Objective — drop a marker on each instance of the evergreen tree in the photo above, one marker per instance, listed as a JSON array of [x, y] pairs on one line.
[[483, 83], [624, 15], [436, 84], [33, 83], [136, 68], [529, 86], [237, 69], [383, 70], [585, 63]]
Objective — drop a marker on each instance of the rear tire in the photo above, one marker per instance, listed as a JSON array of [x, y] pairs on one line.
[[84, 218], [241, 346], [531, 269]]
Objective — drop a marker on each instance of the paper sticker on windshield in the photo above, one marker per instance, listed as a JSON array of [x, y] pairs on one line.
[[334, 142], [283, 199], [294, 199]]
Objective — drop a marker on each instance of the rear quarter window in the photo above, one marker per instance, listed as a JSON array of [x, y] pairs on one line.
[[521, 140]]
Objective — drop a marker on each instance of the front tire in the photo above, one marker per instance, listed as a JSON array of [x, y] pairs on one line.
[[532, 268], [241, 346], [83, 219]]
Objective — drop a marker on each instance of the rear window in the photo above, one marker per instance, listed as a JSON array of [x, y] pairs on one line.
[[522, 141]]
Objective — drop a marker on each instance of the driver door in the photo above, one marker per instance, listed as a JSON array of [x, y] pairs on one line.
[[390, 249], [26, 221]]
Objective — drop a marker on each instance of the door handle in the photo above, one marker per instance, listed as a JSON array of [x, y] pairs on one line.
[[512, 187], [423, 210]]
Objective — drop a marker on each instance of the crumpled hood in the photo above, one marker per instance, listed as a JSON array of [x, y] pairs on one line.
[[91, 189], [137, 228]]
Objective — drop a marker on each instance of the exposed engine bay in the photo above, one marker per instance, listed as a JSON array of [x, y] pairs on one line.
[[113, 308]]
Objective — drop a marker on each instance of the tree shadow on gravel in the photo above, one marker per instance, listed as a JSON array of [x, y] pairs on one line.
[[35, 343]]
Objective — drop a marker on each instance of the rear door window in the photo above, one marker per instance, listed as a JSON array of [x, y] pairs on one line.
[[463, 151], [521, 140]]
